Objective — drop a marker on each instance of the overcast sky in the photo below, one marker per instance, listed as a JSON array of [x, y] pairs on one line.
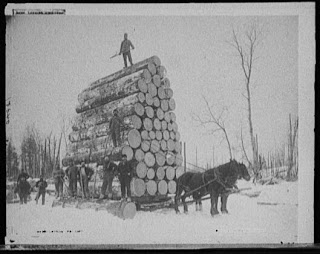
[[51, 59]]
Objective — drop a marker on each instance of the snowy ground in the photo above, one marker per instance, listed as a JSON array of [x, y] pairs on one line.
[[269, 218]]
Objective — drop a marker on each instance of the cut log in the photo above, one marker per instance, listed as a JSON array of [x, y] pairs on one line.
[[164, 105], [160, 114], [149, 99], [152, 89], [166, 135], [170, 158], [147, 76], [167, 117], [149, 112], [152, 135], [170, 173], [142, 86], [152, 69], [141, 170], [172, 135], [177, 147], [172, 104], [145, 145], [109, 91], [156, 102], [139, 109], [165, 83], [172, 187], [150, 174], [173, 117], [149, 159], [163, 187], [156, 61], [170, 127], [137, 187], [159, 135], [161, 93], [156, 80], [124, 72], [147, 123], [161, 71], [178, 159], [139, 155], [177, 135], [134, 138], [169, 93], [179, 171], [157, 124], [127, 210], [160, 158], [136, 121], [155, 146], [171, 144], [160, 173], [145, 135], [164, 125], [174, 126], [141, 97], [163, 145], [127, 150], [151, 187]]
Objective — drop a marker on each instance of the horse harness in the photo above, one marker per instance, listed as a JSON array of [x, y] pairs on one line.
[[205, 184]]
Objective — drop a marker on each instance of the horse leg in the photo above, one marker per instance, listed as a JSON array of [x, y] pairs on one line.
[[214, 202], [185, 206], [177, 198], [197, 201], [224, 198], [200, 205]]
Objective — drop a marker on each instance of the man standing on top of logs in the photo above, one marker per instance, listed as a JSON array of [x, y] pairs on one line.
[[85, 176], [125, 174], [125, 50], [114, 127], [72, 174], [109, 170]]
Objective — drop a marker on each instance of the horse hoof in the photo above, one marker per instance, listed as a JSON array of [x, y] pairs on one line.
[[224, 212]]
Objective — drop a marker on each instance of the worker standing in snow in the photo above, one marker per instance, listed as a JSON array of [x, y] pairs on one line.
[[125, 174], [125, 50], [58, 176], [42, 185], [72, 173], [114, 127], [109, 170], [85, 176]]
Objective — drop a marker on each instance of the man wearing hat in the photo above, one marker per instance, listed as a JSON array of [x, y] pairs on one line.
[[85, 174], [41, 185], [72, 174], [125, 50], [109, 170], [114, 127], [58, 176], [125, 174]]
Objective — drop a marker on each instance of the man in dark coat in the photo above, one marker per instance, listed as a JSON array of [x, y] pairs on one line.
[[114, 127], [72, 173], [22, 176], [85, 174], [125, 174], [42, 185], [58, 176], [125, 50], [109, 170], [24, 190]]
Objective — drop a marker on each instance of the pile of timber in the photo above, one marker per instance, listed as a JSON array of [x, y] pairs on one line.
[[149, 135]]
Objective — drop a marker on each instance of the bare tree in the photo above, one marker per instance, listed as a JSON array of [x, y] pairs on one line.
[[211, 119], [246, 51], [292, 146]]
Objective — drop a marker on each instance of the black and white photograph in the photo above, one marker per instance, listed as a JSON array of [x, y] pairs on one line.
[[159, 125]]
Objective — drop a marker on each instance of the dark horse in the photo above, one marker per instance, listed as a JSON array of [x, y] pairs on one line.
[[216, 181]]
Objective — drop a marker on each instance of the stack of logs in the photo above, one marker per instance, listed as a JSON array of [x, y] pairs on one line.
[[149, 134]]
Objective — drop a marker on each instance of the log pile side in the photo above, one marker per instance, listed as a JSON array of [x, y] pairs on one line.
[[149, 135]]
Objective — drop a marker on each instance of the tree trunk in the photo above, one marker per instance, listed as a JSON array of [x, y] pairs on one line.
[[161, 173], [149, 159], [139, 155], [163, 187], [160, 158], [151, 187], [172, 187], [141, 170], [150, 173], [137, 187]]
